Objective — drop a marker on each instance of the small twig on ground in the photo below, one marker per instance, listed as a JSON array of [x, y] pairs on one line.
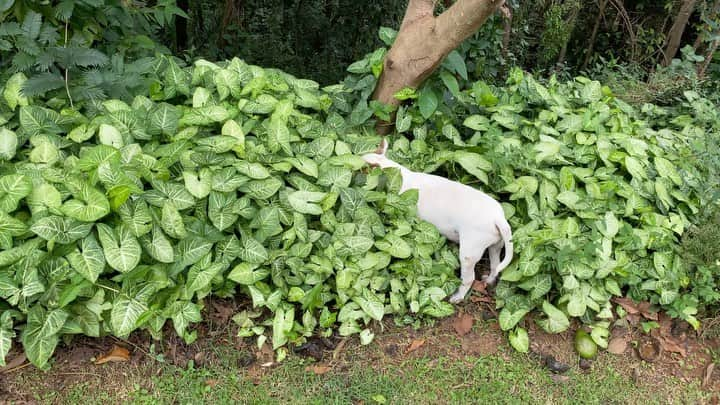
[[16, 368], [130, 344], [81, 373], [338, 348]]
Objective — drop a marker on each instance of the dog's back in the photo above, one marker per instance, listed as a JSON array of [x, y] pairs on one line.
[[452, 206]]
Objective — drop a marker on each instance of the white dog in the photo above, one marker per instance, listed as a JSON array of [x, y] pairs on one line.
[[462, 214]]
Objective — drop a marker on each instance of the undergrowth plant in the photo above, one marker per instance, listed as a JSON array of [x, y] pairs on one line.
[[80, 51], [599, 193], [226, 178]]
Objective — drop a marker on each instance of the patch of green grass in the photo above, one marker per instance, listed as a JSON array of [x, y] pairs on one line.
[[495, 379]]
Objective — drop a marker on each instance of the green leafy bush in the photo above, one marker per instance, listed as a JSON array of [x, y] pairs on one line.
[[598, 192], [316, 39], [124, 216], [228, 178], [76, 50]]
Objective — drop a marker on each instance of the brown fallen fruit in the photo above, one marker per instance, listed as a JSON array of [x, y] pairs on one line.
[[116, 354], [649, 349], [617, 345]]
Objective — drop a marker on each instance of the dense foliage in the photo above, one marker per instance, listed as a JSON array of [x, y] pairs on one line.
[[226, 178], [118, 217], [598, 192], [81, 50], [315, 39], [319, 38]]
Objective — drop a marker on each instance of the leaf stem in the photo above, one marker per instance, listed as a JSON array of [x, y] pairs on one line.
[[67, 87], [108, 288]]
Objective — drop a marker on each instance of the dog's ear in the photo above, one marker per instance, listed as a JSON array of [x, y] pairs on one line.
[[383, 147]]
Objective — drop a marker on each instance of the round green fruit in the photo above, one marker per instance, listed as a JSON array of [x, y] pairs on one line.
[[584, 345]]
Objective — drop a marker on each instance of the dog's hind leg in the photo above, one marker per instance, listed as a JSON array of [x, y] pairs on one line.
[[472, 248], [494, 253]]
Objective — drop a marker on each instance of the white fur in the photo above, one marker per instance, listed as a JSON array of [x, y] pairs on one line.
[[462, 214]]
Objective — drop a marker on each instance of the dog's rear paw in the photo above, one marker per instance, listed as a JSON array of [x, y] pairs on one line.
[[489, 280], [456, 298]]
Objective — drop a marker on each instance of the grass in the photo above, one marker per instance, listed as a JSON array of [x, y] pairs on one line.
[[446, 368], [500, 378]]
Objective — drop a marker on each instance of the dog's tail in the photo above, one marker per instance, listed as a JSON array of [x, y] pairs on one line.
[[506, 233]]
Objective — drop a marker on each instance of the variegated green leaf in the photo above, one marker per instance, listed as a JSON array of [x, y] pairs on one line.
[[122, 251]]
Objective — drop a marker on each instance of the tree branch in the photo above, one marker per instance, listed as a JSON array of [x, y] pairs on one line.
[[422, 43], [676, 31], [463, 19], [416, 10]]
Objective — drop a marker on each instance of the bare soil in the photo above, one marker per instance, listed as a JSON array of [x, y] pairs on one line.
[[687, 357]]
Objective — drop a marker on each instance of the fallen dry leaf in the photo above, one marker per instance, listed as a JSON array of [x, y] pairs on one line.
[[633, 319], [633, 308], [617, 345], [223, 312], [211, 383], [708, 374], [672, 345], [628, 305], [339, 348], [665, 323], [318, 369], [414, 345], [462, 324], [484, 299], [560, 379], [14, 362], [116, 354], [646, 312], [479, 286]]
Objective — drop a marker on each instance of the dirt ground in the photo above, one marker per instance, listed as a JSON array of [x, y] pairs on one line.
[[670, 350]]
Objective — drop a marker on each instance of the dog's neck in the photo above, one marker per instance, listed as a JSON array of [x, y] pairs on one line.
[[385, 163]]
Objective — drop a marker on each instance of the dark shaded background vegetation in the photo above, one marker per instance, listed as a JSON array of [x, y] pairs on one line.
[[319, 38]]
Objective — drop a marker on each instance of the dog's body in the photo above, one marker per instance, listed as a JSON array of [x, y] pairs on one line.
[[462, 214]]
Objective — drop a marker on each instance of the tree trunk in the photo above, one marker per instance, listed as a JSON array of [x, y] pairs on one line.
[[422, 43], [677, 29], [593, 36], [507, 29], [181, 29], [571, 22], [232, 14], [708, 58]]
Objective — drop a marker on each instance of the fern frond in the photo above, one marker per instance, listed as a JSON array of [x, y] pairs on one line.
[[22, 62], [90, 57], [44, 61], [49, 35], [93, 77], [64, 10], [82, 93], [27, 45], [10, 29], [31, 24], [79, 57], [141, 66], [42, 83]]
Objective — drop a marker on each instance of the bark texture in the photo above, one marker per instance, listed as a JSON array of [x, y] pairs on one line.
[[507, 29], [591, 43], [677, 29], [424, 40], [571, 23]]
